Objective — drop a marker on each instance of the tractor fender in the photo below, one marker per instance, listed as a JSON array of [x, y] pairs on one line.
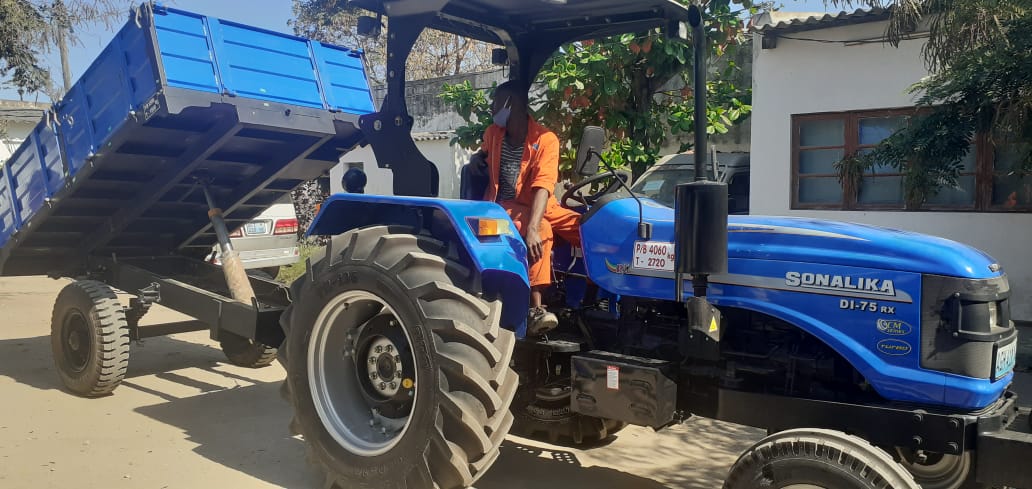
[[500, 260]]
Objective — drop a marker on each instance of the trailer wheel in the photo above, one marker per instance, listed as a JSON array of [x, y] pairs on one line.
[[816, 459], [940, 470], [399, 377], [89, 336], [245, 352], [548, 418]]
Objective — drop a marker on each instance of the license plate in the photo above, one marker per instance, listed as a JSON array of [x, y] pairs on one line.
[[256, 228], [653, 255], [1005, 359]]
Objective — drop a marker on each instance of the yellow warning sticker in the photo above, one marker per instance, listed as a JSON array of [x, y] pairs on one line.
[[713, 325]]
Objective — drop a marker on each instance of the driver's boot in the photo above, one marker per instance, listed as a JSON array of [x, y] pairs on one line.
[[540, 321]]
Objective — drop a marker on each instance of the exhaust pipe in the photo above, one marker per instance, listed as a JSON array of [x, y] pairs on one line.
[[700, 223]]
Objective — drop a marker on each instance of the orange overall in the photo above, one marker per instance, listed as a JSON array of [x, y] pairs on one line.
[[539, 169]]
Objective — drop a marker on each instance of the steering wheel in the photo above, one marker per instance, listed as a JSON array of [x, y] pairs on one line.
[[586, 201]]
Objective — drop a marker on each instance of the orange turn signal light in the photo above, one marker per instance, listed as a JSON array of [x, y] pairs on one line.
[[492, 227]]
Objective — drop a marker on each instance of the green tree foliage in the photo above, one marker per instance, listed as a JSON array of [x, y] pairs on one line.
[[979, 54], [636, 86], [31, 28], [434, 54]]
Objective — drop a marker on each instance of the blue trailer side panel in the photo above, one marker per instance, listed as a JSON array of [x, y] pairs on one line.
[[265, 65], [343, 77], [50, 155], [186, 52], [8, 223], [35, 168], [76, 132]]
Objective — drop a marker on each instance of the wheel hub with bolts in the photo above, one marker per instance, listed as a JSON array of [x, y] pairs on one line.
[[76, 337], [384, 367], [366, 391]]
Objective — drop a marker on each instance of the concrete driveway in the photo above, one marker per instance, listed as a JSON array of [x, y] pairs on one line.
[[185, 419]]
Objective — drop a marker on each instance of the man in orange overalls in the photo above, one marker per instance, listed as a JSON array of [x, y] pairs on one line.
[[523, 168]]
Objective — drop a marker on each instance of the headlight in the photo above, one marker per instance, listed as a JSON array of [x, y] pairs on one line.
[[994, 316]]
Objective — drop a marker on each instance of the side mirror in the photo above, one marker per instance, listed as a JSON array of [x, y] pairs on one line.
[[676, 30], [499, 56], [369, 26], [589, 153]]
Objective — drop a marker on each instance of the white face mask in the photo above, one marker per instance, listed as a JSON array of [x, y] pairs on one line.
[[502, 117]]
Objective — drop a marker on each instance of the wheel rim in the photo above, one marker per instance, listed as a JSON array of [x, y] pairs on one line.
[[356, 341], [77, 341], [938, 470]]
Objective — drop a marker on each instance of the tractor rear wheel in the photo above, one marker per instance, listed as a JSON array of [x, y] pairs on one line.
[[816, 459], [399, 377]]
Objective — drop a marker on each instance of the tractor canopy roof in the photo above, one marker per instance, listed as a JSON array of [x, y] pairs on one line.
[[529, 30], [499, 21]]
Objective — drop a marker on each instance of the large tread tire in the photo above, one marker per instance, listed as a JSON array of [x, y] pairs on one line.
[[104, 341], [461, 415], [817, 458], [554, 423], [245, 352]]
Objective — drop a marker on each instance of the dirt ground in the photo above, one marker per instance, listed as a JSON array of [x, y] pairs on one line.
[[185, 419]]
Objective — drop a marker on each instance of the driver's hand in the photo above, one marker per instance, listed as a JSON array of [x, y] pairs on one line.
[[534, 247]]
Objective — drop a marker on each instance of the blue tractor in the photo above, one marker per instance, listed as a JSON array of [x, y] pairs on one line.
[[874, 358]]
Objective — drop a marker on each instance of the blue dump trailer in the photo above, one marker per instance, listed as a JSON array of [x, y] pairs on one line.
[[179, 115], [109, 170]]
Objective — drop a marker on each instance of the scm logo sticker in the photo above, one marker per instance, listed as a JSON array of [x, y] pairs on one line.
[[894, 327]]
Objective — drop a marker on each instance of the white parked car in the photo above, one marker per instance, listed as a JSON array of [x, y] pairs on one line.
[[269, 241]]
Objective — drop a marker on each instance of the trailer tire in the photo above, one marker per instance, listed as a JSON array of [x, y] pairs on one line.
[[245, 352], [817, 458], [550, 419], [390, 283], [89, 337]]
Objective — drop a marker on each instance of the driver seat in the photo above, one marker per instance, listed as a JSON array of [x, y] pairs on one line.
[[471, 184]]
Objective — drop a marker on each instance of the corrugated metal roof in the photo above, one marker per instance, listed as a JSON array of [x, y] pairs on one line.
[[432, 136], [796, 22], [18, 111]]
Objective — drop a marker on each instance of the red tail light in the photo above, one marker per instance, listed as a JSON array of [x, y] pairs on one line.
[[285, 226], [239, 233]]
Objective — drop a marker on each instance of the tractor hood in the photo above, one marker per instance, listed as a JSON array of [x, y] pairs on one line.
[[809, 240], [612, 230]]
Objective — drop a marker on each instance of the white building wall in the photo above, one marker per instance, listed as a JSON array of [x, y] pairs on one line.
[[801, 77], [448, 159], [14, 134]]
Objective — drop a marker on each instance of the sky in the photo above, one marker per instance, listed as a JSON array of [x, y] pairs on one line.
[[268, 14]]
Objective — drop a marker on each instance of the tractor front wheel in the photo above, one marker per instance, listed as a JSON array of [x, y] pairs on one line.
[[816, 459]]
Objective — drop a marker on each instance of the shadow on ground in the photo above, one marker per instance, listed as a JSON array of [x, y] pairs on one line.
[[29, 360], [520, 466], [242, 428]]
